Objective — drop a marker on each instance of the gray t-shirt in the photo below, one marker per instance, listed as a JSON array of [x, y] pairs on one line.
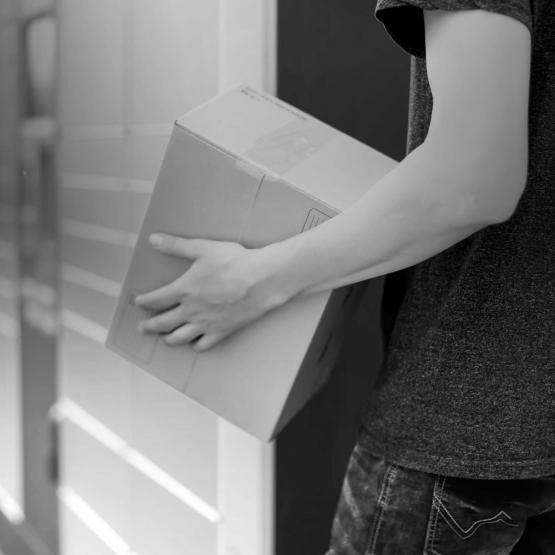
[[468, 384]]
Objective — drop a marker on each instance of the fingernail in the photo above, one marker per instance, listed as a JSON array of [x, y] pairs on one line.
[[155, 239]]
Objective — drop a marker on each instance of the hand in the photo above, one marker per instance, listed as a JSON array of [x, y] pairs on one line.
[[223, 290]]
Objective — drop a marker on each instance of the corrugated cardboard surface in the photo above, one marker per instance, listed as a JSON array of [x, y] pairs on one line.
[[223, 177]]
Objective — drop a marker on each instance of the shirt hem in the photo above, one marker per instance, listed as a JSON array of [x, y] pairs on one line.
[[457, 467]]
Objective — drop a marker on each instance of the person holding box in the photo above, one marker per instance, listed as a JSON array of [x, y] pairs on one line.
[[456, 452]]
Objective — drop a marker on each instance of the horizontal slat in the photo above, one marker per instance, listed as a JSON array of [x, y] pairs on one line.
[[10, 429], [10, 507], [83, 325], [78, 532], [94, 282], [93, 232], [84, 181], [109, 157], [67, 410], [112, 209], [135, 157], [146, 156], [106, 260], [155, 417], [161, 523], [91, 131], [103, 481], [164, 417], [97, 379], [92, 305]]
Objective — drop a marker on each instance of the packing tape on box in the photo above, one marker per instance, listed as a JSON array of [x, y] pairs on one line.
[[291, 144]]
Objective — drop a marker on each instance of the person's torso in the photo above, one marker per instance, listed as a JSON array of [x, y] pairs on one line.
[[470, 364]]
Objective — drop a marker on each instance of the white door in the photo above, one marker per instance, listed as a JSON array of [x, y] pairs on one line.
[[144, 470]]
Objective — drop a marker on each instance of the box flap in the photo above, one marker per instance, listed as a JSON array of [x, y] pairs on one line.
[[285, 142]]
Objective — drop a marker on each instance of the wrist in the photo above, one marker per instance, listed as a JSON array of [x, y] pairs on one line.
[[272, 274]]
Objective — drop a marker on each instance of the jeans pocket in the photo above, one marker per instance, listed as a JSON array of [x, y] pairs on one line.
[[464, 520], [360, 505]]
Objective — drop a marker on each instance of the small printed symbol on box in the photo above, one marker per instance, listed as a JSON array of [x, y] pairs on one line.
[[315, 217]]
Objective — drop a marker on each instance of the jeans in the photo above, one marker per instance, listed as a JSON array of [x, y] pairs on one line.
[[386, 509]]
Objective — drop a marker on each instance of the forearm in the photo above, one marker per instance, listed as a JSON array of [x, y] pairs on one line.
[[417, 210]]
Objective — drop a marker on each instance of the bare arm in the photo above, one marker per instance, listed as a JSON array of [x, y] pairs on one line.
[[469, 172]]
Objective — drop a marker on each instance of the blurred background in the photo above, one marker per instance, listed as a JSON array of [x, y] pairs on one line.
[[96, 456]]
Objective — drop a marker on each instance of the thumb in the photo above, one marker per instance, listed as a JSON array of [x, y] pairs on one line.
[[177, 246]]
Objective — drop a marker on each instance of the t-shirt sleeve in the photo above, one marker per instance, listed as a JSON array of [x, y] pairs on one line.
[[404, 19]]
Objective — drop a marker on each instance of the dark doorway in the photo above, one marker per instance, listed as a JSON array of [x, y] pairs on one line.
[[336, 62]]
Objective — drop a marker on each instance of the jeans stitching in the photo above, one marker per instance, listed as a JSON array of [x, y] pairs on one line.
[[431, 533], [431, 518], [383, 501], [451, 521]]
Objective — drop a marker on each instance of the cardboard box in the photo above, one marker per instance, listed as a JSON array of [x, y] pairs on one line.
[[248, 167]]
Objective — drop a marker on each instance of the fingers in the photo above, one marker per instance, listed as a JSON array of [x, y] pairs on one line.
[[183, 334], [209, 340], [161, 298], [178, 246], [188, 333], [163, 322]]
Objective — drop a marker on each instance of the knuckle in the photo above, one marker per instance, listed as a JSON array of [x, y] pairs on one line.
[[153, 324]]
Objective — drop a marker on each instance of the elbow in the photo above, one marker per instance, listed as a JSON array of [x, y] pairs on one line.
[[486, 177], [504, 215], [493, 202], [507, 191], [489, 187]]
